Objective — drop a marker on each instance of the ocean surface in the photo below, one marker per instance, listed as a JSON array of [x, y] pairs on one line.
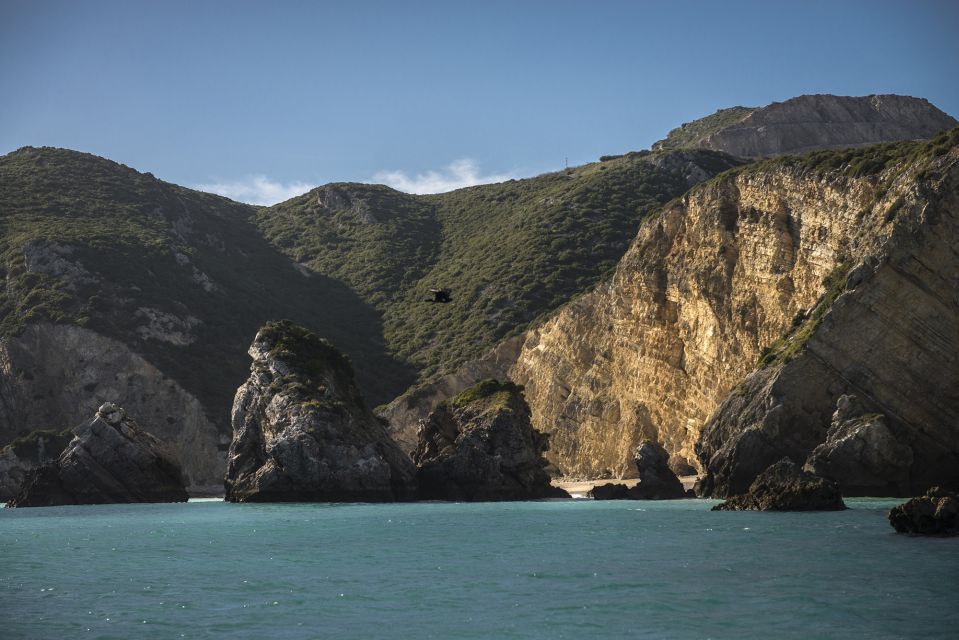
[[553, 569]]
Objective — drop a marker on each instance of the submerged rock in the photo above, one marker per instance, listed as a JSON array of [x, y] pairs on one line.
[[786, 487], [934, 514], [862, 453], [109, 460], [480, 445], [302, 433]]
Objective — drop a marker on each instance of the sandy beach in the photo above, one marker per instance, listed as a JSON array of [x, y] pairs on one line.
[[579, 488]]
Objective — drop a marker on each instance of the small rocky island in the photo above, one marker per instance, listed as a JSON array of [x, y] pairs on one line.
[[302, 432], [109, 460], [934, 514], [480, 445], [656, 480], [784, 486]]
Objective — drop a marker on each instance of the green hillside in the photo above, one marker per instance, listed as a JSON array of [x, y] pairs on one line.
[[88, 241], [508, 252], [691, 134]]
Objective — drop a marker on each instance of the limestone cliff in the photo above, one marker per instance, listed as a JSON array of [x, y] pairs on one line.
[[301, 431], [889, 337], [723, 273], [811, 122]]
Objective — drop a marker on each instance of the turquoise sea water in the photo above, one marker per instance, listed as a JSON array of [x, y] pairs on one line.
[[553, 569]]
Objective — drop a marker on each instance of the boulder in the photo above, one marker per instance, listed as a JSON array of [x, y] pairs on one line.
[[109, 460], [862, 453], [785, 487], [612, 491], [934, 514], [302, 432], [480, 445]]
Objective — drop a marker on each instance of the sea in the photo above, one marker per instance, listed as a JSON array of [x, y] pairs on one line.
[[547, 569]]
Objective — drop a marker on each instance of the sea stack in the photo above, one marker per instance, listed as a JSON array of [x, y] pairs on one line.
[[480, 445], [109, 460], [302, 432]]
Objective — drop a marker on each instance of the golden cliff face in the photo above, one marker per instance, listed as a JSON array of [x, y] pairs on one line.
[[706, 285]]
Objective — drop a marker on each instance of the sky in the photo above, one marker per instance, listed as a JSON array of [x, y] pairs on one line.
[[261, 101]]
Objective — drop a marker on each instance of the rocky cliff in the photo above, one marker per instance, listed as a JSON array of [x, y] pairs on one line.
[[811, 122], [712, 284], [109, 460], [888, 334], [59, 374], [301, 431]]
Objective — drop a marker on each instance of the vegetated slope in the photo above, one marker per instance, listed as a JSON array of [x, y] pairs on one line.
[[103, 264], [509, 252], [810, 122]]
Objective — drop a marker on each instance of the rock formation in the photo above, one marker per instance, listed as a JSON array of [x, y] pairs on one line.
[[27, 453], [934, 514], [656, 480], [301, 431], [862, 453], [786, 487], [109, 460], [888, 333], [74, 370], [480, 445], [810, 122]]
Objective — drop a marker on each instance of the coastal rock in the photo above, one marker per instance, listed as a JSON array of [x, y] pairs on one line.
[[786, 487], [25, 454], [109, 460], [301, 431], [480, 445], [888, 333], [934, 514], [656, 480], [60, 374], [810, 122], [611, 491], [861, 453]]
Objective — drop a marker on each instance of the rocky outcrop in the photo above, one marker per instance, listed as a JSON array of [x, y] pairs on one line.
[[934, 514], [784, 486], [301, 431], [862, 453], [811, 122], [890, 336], [55, 374], [109, 460], [480, 445], [610, 491], [656, 480], [27, 453], [405, 413]]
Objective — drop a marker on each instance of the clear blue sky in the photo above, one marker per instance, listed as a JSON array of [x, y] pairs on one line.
[[308, 92]]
